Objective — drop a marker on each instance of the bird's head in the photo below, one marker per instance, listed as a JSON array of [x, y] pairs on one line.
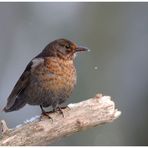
[[63, 49]]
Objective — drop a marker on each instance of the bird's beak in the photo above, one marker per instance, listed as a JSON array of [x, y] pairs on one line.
[[80, 48]]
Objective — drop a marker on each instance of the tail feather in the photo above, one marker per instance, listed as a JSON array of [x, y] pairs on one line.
[[19, 103]]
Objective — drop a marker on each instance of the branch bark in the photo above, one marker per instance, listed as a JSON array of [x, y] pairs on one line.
[[89, 113]]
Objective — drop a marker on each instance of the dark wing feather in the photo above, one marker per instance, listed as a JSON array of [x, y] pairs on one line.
[[19, 86]]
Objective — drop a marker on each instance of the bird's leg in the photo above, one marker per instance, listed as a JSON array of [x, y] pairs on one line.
[[45, 113]]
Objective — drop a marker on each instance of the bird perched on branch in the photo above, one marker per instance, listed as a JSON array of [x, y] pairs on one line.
[[48, 79]]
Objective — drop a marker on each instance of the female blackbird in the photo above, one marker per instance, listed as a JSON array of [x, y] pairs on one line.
[[48, 79]]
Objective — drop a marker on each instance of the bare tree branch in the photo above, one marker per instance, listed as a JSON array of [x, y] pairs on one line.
[[90, 113]]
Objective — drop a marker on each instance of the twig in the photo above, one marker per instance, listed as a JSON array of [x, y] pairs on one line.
[[90, 113], [3, 127]]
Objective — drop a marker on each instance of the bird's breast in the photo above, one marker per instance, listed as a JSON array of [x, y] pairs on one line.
[[56, 76]]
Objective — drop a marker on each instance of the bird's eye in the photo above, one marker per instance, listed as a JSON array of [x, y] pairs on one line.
[[67, 46]]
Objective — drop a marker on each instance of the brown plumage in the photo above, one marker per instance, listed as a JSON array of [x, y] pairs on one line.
[[48, 79]]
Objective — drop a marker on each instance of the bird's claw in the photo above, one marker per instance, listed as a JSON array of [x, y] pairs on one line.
[[60, 110], [47, 115]]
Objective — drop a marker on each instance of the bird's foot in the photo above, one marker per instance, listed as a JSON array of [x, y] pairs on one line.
[[67, 107], [46, 114], [60, 110], [64, 107]]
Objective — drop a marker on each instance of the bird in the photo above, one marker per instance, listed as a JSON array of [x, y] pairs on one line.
[[49, 78]]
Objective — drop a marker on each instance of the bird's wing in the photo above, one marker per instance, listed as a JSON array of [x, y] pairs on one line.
[[23, 82], [19, 86]]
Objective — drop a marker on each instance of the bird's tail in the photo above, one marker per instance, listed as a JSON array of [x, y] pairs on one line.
[[19, 103]]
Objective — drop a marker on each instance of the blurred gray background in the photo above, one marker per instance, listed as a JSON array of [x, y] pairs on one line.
[[116, 33]]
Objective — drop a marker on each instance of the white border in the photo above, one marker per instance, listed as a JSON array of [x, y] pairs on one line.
[[74, 1]]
